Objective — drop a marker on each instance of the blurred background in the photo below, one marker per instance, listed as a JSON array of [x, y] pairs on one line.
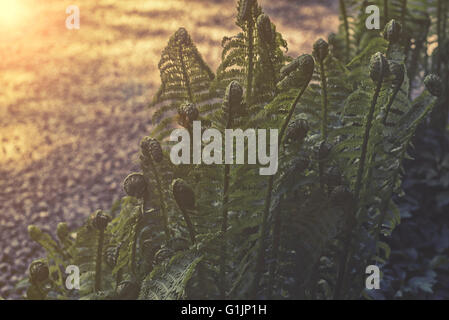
[[73, 102]]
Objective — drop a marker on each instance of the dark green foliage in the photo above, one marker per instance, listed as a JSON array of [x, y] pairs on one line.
[[346, 121]]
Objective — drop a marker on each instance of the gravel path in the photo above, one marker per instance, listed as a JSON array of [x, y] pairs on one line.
[[72, 103]]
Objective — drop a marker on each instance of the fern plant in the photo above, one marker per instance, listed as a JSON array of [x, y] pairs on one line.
[[206, 231]]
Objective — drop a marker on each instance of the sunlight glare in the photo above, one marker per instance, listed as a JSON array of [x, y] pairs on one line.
[[12, 12]]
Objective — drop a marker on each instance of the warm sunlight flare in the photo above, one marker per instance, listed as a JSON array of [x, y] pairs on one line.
[[12, 12]]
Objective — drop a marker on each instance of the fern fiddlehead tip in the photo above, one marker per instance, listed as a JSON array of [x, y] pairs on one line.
[[34, 232], [135, 185], [332, 39], [297, 73], [324, 150], [151, 148], [112, 256], [183, 194], [434, 85], [297, 130], [393, 31], [188, 113], [233, 98], [306, 65], [39, 271], [320, 50], [378, 67], [100, 220]]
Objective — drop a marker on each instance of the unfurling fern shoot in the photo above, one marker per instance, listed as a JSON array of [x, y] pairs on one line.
[[152, 153], [136, 186], [300, 71], [324, 221], [398, 72], [393, 31], [434, 85], [231, 105], [378, 69], [100, 221], [39, 274], [393, 34], [297, 132], [187, 113], [38, 271]]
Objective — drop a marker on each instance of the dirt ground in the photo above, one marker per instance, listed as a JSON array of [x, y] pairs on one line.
[[73, 102]]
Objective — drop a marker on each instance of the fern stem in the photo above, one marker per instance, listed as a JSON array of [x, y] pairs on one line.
[[264, 227], [369, 123], [344, 14], [99, 260], [249, 76], [323, 101], [189, 223], [358, 185], [389, 105], [161, 198], [386, 201], [261, 251], [275, 253], [342, 268], [134, 243], [224, 223], [224, 228], [118, 279], [384, 122]]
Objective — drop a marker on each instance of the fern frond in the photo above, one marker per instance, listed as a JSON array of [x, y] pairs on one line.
[[169, 282]]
